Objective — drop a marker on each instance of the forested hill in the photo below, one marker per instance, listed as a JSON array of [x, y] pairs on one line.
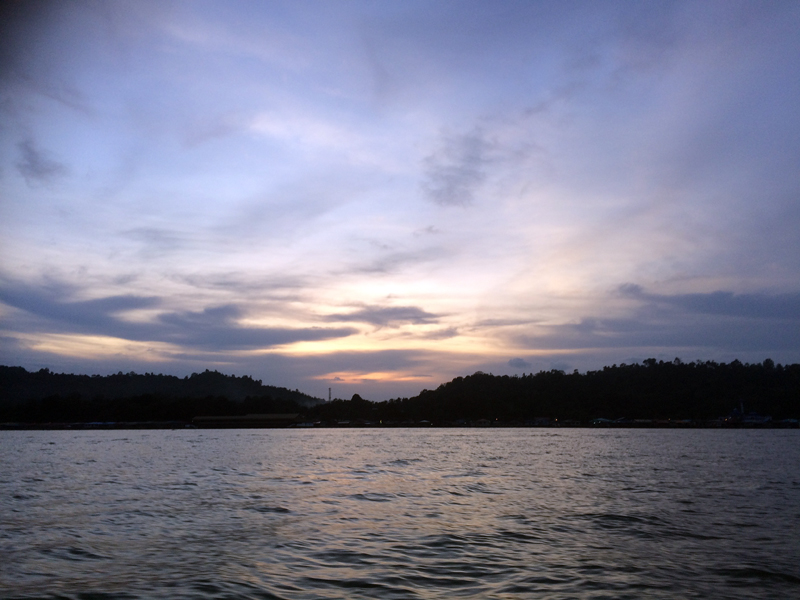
[[650, 390], [18, 385]]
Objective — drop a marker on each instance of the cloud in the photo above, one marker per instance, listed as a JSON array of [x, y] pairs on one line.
[[711, 336], [282, 287], [36, 166], [393, 261], [315, 170], [518, 363], [214, 328], [387, 316], [91, 316], [750, 306], [441, 334], [455, 172], [156, 241], [714, 322], [429, 230]]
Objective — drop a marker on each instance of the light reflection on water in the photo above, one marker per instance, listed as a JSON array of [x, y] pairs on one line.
[[400, 513]]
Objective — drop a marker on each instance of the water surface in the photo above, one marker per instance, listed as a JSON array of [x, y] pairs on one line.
[[400, 513]]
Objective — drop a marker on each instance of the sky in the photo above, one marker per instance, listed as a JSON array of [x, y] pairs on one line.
[[376, 197]]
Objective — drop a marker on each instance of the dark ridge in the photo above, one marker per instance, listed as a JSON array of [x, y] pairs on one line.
[[43, 396], [653, 393]]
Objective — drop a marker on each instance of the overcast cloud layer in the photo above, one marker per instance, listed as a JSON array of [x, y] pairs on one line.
[[379, 196]]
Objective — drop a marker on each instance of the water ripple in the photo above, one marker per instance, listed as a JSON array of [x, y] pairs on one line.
[[295, 515]]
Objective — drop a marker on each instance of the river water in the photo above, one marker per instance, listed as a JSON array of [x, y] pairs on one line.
[[400, 513]]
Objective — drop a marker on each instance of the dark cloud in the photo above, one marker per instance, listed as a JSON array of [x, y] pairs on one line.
[[505, 322], [156, 240], [519, 363], [88, 316], [368, 361], [456, 171], [441, 334], [712, 334], [387, 316], [214, 328], [283, 286], [36, 166], [751, 306], [716, 322], [391, 261]]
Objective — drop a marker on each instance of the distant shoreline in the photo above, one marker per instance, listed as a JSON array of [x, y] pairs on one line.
[[184, 425], [653, 394]]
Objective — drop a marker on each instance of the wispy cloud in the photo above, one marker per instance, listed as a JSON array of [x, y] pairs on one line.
[[96, 316], [407, 191], [156, 241], [213, 328], [441, 334], [711, 322], [37, 166], [217, 328], [387, 316], [454, 173], [752, 306], [519, 363]]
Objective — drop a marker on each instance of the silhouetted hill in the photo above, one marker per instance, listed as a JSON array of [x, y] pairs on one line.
[[651, 390], [18, 384]]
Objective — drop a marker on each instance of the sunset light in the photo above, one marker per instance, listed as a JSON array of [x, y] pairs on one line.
[[365, 191]]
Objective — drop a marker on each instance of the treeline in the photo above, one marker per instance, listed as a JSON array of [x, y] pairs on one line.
[[651, 390], [43, 396], [145, 408]]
